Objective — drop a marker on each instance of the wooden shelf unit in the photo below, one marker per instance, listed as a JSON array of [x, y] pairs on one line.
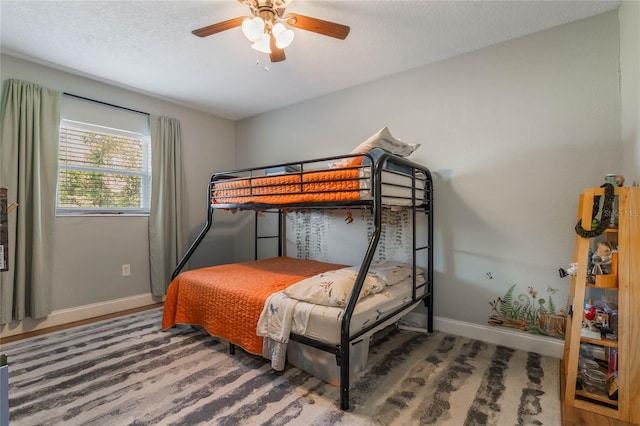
[[627, 406]]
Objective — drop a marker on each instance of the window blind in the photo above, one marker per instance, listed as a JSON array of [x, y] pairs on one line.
[[104, 160]]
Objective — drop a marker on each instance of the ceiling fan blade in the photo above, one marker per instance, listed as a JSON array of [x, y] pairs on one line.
[[316, 25], [220, 26], [277, 54]]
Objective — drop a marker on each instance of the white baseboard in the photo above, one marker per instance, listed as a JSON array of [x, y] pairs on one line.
[[65, 316], [503, 336], [543, 345]]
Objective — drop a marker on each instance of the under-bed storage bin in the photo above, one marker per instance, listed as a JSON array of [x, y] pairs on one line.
[[322, 364]]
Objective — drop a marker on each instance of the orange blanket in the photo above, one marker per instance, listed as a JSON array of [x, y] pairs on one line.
[[227, 299], [341, 184]]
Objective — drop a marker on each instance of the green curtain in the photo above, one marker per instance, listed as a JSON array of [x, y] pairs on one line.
[[166, 217], [30, 120]]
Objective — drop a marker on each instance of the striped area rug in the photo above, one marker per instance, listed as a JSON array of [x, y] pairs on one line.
[[126, 371]]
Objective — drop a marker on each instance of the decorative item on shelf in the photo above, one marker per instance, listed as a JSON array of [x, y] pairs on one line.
[[599, 226], [617, 181], [590, 311], [571, 270], [603, 270], [612, 359], [588, 324], [612, 386], [595, 381], [600, 320], [602, 259], [612, 373], [613, 324], [610, 279], [585, 362], [611, 336]]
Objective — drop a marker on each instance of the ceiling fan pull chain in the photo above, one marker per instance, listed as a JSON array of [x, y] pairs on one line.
[[266, 64]]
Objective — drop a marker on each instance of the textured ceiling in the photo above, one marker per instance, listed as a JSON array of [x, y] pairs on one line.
[[147, 46]]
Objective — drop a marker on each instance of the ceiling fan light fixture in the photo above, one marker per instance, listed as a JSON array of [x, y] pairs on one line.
[[253, 28], [262, 45], [284, 36], [269, 28]]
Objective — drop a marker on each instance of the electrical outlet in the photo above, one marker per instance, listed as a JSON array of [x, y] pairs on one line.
[[126, 270]]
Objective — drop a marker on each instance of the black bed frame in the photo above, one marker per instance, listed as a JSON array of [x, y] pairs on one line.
[[425, 206]]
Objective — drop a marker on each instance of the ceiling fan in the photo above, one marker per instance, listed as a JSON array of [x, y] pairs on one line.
[[266, 29]]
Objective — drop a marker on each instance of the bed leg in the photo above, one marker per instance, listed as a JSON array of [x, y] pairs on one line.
[[232, 349], [428, 303], [344, 399], [430, 314], [344, 386]]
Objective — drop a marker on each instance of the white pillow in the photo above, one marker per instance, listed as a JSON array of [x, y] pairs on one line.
[[391, 272], [385, 140], [332, 288]]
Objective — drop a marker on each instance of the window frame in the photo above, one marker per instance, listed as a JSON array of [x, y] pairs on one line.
[[145, 174]]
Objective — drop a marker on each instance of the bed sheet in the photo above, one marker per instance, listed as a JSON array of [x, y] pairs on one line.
[[324, 322], [226, 300]]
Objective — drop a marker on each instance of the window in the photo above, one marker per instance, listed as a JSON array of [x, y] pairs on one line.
[[101, 168]]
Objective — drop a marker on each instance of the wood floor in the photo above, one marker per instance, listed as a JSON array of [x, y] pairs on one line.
[[570, 416], [77, 323], [576, 417]]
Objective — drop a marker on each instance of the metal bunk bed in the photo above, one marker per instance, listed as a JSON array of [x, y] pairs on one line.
[[420, 183]]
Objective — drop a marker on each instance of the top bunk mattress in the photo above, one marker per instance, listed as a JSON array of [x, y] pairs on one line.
[[350, 179]]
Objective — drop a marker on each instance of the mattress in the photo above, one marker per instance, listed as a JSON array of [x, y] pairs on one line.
[[352, 183], [324, 322], [226, 300]]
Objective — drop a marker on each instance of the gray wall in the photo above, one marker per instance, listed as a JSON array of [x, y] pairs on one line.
[[512, 132], [89, 251], [630, 88]]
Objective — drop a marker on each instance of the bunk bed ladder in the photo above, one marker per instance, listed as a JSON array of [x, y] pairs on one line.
[[343, 352], [281, 235]]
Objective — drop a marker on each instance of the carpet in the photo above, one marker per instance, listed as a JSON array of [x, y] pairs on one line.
[[126, 371]]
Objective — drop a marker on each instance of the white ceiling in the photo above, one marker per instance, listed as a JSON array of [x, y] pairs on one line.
[[147, 46]]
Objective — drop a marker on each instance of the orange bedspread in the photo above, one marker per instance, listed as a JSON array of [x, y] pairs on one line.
[[227, 299], [341, 184]]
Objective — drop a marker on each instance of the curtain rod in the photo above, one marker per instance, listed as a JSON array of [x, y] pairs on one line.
[[105, 103]]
